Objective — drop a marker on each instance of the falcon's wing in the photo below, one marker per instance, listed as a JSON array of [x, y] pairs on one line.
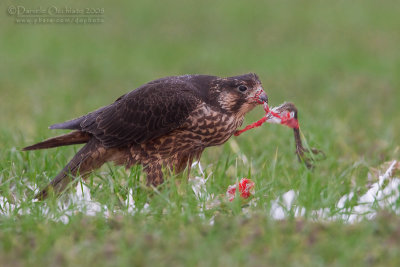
[[143, 114]]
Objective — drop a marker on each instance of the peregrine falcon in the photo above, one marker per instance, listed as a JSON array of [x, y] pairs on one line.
[[166, 123]]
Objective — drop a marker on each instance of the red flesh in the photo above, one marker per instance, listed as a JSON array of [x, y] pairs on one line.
[[285, 120]]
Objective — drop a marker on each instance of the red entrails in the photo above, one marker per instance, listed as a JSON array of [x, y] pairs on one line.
[[251, 126], [246, 189], [285, 120], [290, 122]]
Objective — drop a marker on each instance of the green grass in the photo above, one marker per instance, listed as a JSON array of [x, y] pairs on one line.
[[338, 62]]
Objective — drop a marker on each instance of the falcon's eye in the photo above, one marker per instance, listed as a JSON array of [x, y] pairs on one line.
[[242, 88]]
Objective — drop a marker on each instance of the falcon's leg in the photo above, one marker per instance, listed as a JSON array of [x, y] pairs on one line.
[[185, 160], [154, 174], [176, 163]]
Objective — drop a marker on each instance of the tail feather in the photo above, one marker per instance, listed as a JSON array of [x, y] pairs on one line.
[[90, 157], [73, 124], [73, 138]]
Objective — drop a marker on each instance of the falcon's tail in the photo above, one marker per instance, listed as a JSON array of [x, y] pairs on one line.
[[75, 137], [89, 158]]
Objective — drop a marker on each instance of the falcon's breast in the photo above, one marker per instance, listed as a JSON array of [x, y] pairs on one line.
[[209, 126]]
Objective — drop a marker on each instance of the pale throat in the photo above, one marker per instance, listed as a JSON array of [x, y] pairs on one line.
[[245, 108]]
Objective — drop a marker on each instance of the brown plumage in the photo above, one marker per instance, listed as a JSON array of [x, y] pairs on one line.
[[164, 123]]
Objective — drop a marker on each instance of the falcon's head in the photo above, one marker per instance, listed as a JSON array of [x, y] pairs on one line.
[[240, 94]]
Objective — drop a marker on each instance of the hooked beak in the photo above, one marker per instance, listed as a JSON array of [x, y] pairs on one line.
[[263, 98], [260, 97]]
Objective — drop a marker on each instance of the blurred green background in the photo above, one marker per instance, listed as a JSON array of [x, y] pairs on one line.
[[338, 61]]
